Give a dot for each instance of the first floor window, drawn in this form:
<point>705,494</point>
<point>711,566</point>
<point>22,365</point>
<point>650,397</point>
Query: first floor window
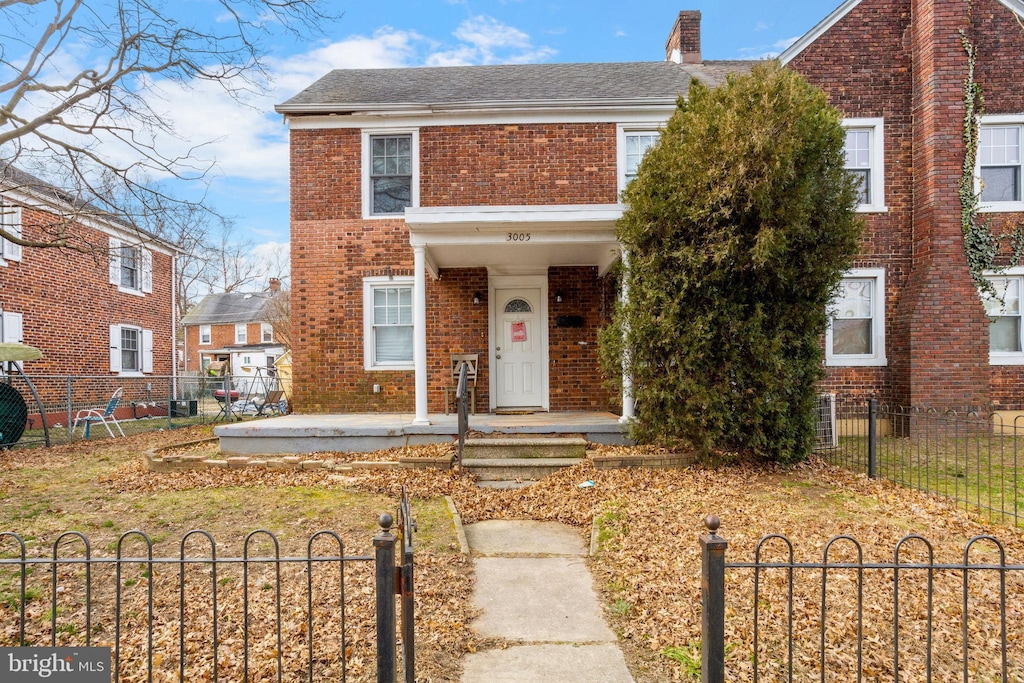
<point>856,332</point>
<point>1004,315</point>
<point>389,329</point>
<point>131,349</point>
<point>204,334</point>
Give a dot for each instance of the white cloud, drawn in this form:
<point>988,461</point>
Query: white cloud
<point>767,51</point>
<point>485,40</point>
<point>762,26</point>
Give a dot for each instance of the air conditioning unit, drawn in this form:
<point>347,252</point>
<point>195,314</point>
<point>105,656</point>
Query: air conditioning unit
<point>825,432</point>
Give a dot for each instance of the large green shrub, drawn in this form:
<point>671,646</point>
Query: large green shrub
<point>739,226</point>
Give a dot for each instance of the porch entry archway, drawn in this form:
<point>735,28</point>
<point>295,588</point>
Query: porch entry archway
<point>519,348</point>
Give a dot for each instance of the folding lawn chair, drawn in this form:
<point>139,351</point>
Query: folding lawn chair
<point>105,417</point>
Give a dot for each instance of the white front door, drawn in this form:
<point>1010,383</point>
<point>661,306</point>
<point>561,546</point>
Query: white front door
<point>519,348</point>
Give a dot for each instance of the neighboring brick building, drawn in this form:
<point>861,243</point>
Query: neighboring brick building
<point>472,210</point>
<point>237,329</point>
<point>107,313</point>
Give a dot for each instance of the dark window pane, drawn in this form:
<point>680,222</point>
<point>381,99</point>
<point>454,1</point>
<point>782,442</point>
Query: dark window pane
<point>1000,184</point>
<point>851,336</point>
<point>864,178</point>
<point>392,195</point>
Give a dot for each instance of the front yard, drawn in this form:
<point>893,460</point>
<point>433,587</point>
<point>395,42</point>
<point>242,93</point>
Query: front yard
<point>647,566</point>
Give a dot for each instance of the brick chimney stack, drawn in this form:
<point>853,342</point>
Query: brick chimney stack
<point>683,45</point>
<point>274,284</point>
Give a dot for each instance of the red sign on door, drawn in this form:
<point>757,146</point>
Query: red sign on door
<point>519,332</point>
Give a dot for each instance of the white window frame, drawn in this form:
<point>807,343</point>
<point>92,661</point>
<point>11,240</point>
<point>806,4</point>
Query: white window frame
<point>205,331</point>
<point>145,351</point>
<point>10,219</point>
<point>369,285</point>
<point>1000,120</point>
<point>241,333</point>
<point>876,189</point>
<point>877,358</point>
<point>622,132</point>
<point>266,333</point>
<point>1008,357</point>
<point>367,187</point>
<point>145,274</point>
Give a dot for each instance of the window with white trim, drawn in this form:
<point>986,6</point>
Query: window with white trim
<point>241,333</point>
<point>131,350</point>
<point>390,172</point>
<point>131,267</point>
<point>864,154</point>
<point>266,333</point>
<point>387,323</point>
<point>856,329</point>
<point>10,220</point>
<point>633,145</point>
<point>1005,345</point>
<point>1000,169</point>
<point>205,335</point>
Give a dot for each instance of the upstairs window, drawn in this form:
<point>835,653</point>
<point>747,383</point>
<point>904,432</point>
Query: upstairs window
<point>999,164</point>
<point>131,267</point>
<point>864,154</point>
<point>205,336</point>
<point>10,220</point>
<point>241,333</point>
<point>266,333</point>
<point>390,173</point>
<point>633,147</point>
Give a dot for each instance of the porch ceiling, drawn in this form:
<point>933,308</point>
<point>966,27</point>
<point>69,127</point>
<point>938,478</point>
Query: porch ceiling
<point>510,238</point>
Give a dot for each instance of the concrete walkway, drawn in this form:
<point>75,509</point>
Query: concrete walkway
<point>535,591</point>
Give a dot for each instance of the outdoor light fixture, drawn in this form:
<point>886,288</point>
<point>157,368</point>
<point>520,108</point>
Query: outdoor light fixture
<point>476,298</point>
<point>558,297</point>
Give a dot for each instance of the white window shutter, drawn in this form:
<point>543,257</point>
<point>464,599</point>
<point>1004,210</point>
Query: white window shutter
<point>12,326</point>
<point>147,270</point>
<point>115,348</point>
<point>12,224</point>
<point>115,266</point>
<point>147,351</point>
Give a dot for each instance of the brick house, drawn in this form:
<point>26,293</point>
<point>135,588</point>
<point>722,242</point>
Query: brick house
<point>108,313</point>
<point>236,329</point>
<point>472,210</point>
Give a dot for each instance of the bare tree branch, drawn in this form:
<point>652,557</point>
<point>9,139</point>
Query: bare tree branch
<point>76,127</point>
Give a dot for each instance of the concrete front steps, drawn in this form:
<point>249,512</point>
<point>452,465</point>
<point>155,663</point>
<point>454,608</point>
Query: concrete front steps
<point>521,458</point>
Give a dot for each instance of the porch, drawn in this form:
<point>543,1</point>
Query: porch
<point>366,432</point>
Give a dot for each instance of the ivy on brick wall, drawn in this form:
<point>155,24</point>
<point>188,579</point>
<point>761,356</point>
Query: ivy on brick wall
<point>980,243</point>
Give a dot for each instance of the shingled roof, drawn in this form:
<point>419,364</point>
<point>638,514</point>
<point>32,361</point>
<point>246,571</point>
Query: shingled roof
<point>230,307</point>
<point>348,90</point>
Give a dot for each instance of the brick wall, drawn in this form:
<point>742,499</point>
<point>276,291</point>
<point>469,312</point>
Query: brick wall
<point>333,250</point>
<point>902,60</point>
<point>68,304</point>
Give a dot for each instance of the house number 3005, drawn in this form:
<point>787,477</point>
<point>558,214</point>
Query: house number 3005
<point>518,237</point>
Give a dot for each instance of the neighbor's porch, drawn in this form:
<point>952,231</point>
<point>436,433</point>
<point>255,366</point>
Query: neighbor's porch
<point>366,432</point>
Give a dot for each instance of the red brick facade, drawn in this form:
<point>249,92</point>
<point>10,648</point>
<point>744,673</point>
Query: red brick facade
<point>900,61</point>
<point>68,304</point>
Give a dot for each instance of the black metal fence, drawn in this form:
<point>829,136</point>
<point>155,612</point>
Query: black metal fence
<point>844,618</point>
<point>973,458</point>
<point>197,616</point>
<point>146,403</point>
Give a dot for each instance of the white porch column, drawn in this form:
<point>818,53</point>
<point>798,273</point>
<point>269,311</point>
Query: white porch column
<point>419,335</point>
<point>628,407</point>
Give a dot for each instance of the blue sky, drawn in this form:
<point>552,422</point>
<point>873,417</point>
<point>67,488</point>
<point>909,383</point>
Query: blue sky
<point>249,144</point>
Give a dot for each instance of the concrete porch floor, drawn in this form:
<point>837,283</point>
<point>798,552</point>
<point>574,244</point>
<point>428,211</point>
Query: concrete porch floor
<point>365,432</point>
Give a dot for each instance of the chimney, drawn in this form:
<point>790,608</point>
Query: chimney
<point>274,284</point>
<point>683,45</point>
